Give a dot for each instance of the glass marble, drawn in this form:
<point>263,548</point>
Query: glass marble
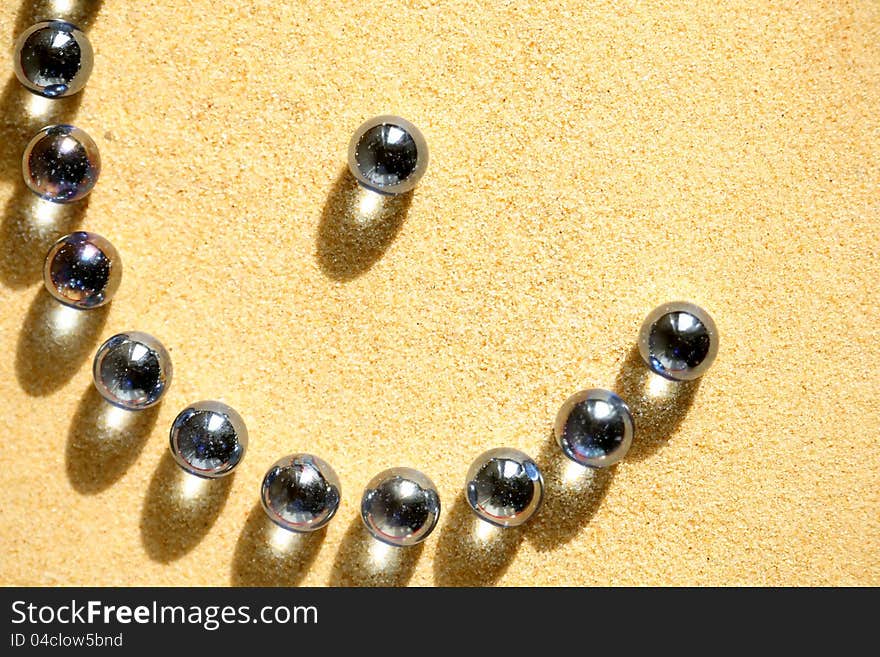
<point>61,164</point>
<point>388,154</point>
<point>208,439</point>
<point>300,492</point>
<point>132,370</point>
<point>53,59</point>
<point>400,507</point>
<point>82,270</point>
<point>679,341</point>
<point>594,428</point>
<point>504,487</point>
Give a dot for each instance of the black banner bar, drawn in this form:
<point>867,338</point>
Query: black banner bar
<point>390,621</point>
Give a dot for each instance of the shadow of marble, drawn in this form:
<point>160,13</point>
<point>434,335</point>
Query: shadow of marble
<point>572,496</point>
<point>28,228</point>
<point>24,113</point>
<point>104,441</point>
<point>179,510</point>
<point>54,341</point>
<point>357,227</point>
<point>81,13</point>
<point>473,552</point>
<point>267,555</point>
<point>658,405</point>
<point>363,561</point>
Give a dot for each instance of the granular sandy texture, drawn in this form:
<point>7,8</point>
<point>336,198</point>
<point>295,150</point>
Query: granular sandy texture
<point>588,162</point>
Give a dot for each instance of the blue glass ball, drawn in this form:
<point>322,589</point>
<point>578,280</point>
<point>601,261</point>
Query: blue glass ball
<point>53,58</point>
<point>679,341</point>
<point>132,370</point>
<point>594,428</point>
<point>504,487</point>
<point>61,164</point>
<point>388,154</point>
<point>208,439</point>
<point>300,492</point>
<point>400,507</point>
<point>82,270</point>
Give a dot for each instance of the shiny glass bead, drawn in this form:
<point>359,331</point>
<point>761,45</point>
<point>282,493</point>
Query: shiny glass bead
<point>400,506</point>
<point>132,370</point>
<point>594,428</point>
<point>300,492</point>
<point>53,58</point>
<point>61,164</point>
<point>208,439</point>
<point>504,487</point>
<point>82,270</point>
<point>388,154</point>
<point>679,341</point>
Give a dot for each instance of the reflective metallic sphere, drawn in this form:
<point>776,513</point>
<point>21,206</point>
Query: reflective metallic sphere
<point>400,506</point>
<point>301,493</point>
<point>132,370</point>
<point>61,164</point>
<point>53,59</point>
<point>82,270</point>
<point>504,486</point>
<point>208,439</point>
<point>594,428</point>
<point>678,340</point>
<point>388,154</point>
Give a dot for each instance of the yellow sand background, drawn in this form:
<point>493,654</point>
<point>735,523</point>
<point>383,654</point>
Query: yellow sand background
<point>589,160</point>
